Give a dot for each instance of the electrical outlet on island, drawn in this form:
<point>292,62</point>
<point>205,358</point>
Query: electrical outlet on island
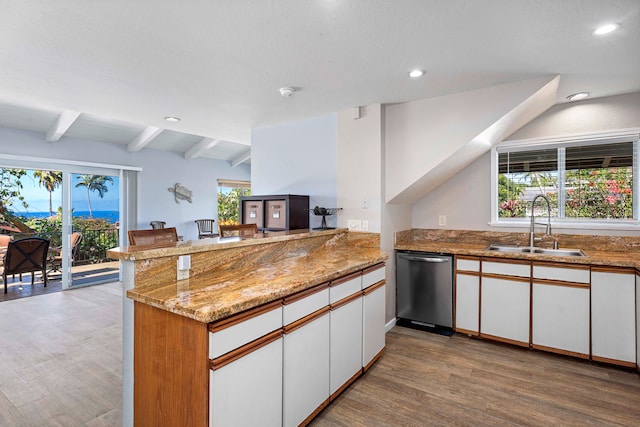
<point>442,220</point>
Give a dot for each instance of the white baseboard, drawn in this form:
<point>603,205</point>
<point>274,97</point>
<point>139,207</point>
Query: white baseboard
<point>390,324</point>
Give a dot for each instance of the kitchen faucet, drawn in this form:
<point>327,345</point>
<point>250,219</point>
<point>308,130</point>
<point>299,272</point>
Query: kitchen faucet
<point>532,238</point>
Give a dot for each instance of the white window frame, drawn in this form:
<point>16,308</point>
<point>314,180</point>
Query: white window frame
<point>609,137</point>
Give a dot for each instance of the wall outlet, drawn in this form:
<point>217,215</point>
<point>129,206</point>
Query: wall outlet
<point>442,220</point>
<point>184,264</point>
<point>365,225</point>
<point>354,224</point>
<point>365,204</point>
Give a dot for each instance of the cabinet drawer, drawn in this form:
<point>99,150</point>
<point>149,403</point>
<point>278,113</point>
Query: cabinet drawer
<point>467,264</point>
<point>276,214</point>
<point>298,306</point>
<point>506,269</point>
<point>243,328</point>
<point>345,286</point>
<point>252,211</point>
<point>569,273</point>
<point>371,277</point>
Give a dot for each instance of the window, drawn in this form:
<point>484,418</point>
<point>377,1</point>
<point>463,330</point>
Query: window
<point>229,193</point>
<point>586,181</point>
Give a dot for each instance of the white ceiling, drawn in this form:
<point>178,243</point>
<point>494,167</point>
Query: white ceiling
<point>218,65</point>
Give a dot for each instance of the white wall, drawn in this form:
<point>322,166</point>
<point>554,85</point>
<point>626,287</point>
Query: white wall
<point>589,115</point>
<point>297,158</point>
<point>160,170</point>
<point>359,166</point>
<point>465,198</point>
<point>430,140</point>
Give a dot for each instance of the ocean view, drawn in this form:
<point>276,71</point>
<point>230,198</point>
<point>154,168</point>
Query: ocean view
<point>111,216</point>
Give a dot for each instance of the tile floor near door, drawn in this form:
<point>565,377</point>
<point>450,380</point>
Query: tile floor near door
<point>61,358</point>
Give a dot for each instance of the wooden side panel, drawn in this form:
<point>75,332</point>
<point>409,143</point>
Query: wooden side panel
<point>171,369</point>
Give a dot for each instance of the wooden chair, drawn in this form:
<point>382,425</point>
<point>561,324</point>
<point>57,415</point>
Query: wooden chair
<point>240,230</point>
<point>55,253</point>
<point>26,256</point>
<point>157,224</point>
<point>153,236</point>
<point>206,228</point>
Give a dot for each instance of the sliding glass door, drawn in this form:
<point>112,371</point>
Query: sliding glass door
<point>79,209</point>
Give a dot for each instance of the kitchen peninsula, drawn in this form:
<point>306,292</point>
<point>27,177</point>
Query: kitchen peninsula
<point>272,327</point>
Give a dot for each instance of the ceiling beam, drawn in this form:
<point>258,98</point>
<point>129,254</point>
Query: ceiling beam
<point>200,148</point>
<point>62,125</point>
<point>145,137</point>
<point>241,158</point>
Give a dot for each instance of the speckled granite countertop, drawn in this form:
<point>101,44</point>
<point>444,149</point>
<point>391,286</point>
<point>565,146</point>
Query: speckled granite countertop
<point>230,277</point>
<point>600,250</point>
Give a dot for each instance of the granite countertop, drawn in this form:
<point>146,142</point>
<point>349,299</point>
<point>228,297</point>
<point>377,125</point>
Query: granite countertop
<point>247,283</point>
<point>596,254</point>
<point>188,247</point>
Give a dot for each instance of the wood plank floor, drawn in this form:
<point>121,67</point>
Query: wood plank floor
<point>425,379</point>
<point>61,361</point>
<point>61,358</point>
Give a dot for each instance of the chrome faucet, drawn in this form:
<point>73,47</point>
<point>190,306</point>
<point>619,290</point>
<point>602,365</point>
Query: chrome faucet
<point>532,237</point>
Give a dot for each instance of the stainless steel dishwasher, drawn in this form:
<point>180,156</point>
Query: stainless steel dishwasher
<point>424,290</point>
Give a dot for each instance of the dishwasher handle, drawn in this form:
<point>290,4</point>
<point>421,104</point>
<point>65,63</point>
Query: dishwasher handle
<point>423,259</point>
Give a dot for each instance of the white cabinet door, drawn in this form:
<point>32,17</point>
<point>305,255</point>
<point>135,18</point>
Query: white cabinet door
<point>613,316</point>
<point>560,318</point>
<point>346,341</point>
<point>373,322</point>
<point>638,321</point>
<point>504,312</point>
<point>248,390</point>
<point>306,369</point>
<point>467,303</point>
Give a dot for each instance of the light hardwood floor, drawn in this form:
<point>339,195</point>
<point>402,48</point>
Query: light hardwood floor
<point>61,360</point>
<point>425,379</point>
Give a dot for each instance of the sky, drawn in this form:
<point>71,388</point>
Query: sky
<point>38,197</point>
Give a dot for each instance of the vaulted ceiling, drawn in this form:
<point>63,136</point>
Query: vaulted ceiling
<point>113,70</point>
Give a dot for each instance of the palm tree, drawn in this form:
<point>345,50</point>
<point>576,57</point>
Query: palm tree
<point>49,180</point>
<point>94,183</point>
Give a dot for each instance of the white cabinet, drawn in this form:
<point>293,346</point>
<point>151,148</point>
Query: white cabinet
<point>560,321</point>
<point>638,321</point>
<point>306,354</point>
<point>245,380</point>
<point>346,342</point>
<point>467,297</point>
<point>505,301</point>
<point>560,316</point>
<point>306,368</point>
<point>613,315</point>
<point>373,323</point>
<point>248,390</point>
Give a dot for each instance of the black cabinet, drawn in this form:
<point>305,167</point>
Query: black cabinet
<point>275,212</point>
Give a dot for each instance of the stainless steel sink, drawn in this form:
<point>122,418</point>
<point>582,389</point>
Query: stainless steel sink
<point>559,252</point>
<point>534,250</point>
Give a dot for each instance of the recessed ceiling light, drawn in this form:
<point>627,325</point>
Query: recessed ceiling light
<point>414,74</point>
<point>606,29</point>
<point>172,119</point>
<point>578,96</point>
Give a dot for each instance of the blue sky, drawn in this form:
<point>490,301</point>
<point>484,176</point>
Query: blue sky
<point>38,197</point>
